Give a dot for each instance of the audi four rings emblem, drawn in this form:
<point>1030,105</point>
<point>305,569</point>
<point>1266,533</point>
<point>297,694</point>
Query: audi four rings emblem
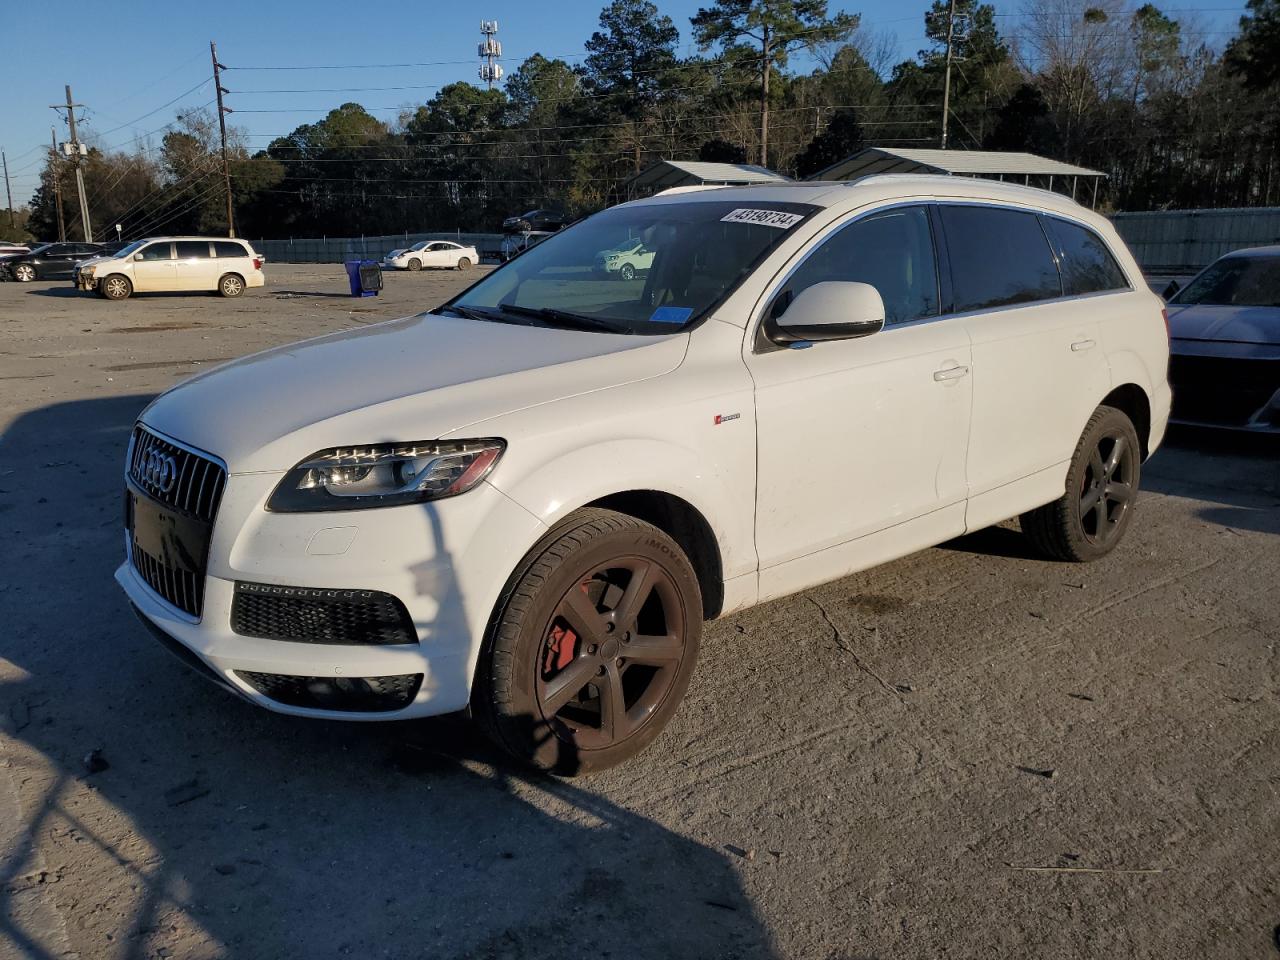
<point>160,470</point>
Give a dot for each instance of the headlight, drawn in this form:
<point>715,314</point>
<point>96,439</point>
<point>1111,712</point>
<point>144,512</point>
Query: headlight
<point>385,475</point>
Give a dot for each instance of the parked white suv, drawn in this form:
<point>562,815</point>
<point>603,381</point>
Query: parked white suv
<point>173,264</point>
<point>526,501</point>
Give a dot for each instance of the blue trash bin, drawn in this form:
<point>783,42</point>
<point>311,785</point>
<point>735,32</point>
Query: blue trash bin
<point>367,285</point>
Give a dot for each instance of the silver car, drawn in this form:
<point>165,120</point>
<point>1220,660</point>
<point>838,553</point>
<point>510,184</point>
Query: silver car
<point>1224,330</point>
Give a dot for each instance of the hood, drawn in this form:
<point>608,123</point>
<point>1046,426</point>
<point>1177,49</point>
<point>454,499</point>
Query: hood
<point>1199,321</point>
<point>395,253</point>
<point>420,378</point>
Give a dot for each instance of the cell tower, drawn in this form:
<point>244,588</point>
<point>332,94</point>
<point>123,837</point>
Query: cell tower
<point>490,50</point>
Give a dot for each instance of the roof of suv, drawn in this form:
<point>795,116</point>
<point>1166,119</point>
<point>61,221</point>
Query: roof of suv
<point>233,239</point>
<point>856,193</point>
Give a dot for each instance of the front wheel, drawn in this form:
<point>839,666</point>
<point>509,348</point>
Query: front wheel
<point>116,287</point>
<point>1091,517</point>
<point>414,264</point>
<point>628,272</point>
<point>231,285</point>
<point>592,647</point>
<point>24,273</point>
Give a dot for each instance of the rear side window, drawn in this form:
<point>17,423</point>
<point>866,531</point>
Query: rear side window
<point>1087,265</point>
<point>193,249</point>
<point>225,248</point>
<point>891,251</point>
<point>157,251</point>
<point>998,258</point>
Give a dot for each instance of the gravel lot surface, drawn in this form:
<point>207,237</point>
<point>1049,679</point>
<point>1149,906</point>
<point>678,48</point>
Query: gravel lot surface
<point>966,753</point>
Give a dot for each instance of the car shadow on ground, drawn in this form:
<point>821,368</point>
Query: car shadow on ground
<point>1193,462</point>
<point>205,826</point>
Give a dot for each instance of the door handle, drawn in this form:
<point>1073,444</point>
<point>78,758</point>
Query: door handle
<point>1082,345</point>
<point>950,373</point>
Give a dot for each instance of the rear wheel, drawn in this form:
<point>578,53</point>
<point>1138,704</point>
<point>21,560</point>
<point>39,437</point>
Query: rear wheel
<point>231,285</point>
<point>414,264</point>
<point>116,287</point>
<point>464,263</point>
<point>1091,517</point>
<point>593,646</point>
<point>24,273</point>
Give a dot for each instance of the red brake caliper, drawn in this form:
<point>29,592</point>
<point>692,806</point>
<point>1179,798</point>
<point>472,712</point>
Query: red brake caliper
<point>562,648</point>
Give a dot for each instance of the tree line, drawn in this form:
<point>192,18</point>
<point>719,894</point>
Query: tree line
<point>1173,120</point>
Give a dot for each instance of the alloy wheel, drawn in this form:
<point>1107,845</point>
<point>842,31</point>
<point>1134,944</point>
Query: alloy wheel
<point>24,272</point>
<point>611,652</point>
<point>1107,488</point>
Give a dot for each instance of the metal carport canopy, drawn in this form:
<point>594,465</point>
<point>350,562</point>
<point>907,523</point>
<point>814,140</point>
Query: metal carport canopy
<point>679,173</point>
<point>974,163</point>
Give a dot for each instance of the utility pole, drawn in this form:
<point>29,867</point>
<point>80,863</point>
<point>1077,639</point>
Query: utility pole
<point>54,163</point>
<point>76,150</point>
<point>222,127</point>
<point>764,95</point>
<point>7,192</point>
<point>946,83</point>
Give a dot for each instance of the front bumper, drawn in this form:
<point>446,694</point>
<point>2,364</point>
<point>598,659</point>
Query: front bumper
<point>447,562</point>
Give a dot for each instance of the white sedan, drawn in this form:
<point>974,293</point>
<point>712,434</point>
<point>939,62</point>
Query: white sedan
<point>432,253</point>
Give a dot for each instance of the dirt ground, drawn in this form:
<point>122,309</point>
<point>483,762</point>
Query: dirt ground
<point>966,753</point>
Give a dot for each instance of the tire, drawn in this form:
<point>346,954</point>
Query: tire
<point>560,684</point>
<point>231,285</point>
<point>627,272</point>
<point>24,273</point>
<point>414,265</point>
<point>1091,517</point>
<point>116,287</point>
<point>464,263</point>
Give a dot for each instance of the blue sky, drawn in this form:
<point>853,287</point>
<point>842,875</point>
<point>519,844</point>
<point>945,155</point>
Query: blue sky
<point>126,61</point>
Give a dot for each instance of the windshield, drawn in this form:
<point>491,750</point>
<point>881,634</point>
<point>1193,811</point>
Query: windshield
<point>422,245</point>
<point>694,254</point>
<point>1236,282</point>
<point>128,251</point>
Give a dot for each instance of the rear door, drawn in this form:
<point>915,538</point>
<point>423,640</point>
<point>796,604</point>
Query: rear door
<point>153,267</point>
<point>194,269</point>
<point>1038,372</point>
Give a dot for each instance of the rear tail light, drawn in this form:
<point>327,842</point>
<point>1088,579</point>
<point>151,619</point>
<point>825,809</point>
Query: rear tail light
<point>257,263</point>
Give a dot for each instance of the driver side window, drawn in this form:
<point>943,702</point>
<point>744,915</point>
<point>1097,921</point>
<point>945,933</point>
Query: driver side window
<point>892,251</point>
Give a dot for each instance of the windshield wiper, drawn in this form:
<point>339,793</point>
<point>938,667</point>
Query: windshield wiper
<point>564,318</point>
<point>471,313</point>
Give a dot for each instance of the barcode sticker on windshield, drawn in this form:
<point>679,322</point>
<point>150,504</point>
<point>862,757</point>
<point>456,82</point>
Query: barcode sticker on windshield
<point>765,218</point>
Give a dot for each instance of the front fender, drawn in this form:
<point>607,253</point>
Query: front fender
<point>545,489</point>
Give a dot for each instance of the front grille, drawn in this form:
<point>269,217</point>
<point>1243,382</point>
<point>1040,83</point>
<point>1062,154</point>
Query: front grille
<point>308,615</point>
<point>351,694</point>
<point>1221,390</point>
<point>190,485</point>
<point>196,487</point>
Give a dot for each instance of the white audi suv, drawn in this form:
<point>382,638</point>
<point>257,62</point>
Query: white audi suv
<point>525,502</point>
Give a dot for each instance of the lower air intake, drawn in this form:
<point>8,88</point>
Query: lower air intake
<point>310,615</point>
<point>352,694</point>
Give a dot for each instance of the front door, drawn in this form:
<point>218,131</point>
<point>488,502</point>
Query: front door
<point>859,437</point>
<point>153,267</point>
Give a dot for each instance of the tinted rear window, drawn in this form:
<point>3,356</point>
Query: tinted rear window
<point>193,249</point>
<point>1087,264</point>
<point>998,257</point>
<point>226,248</point>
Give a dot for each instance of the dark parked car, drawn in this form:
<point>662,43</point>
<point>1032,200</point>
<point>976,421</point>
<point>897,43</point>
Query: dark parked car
<point>1224,330</point>
<point>545,221</point>
<point>50,261</point>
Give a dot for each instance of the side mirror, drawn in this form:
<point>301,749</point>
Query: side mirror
<point>1171,289</point>
<point>137,256</point>
<point>832,310</point>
